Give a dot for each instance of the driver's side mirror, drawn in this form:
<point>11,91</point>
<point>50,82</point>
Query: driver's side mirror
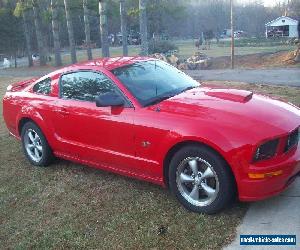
<point>109,99</point>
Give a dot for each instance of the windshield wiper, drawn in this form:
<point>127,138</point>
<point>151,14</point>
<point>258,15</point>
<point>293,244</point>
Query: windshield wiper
<point>160,99</point>
<point>187,88</point>
<point>169,95</point>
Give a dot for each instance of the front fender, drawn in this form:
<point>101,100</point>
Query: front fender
<point>212,139</point>
<point>229,148</point>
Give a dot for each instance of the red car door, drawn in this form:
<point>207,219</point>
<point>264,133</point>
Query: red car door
<point>95,134</point>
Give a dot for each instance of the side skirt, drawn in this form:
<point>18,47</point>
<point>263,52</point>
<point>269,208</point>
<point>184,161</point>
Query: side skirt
<point>158,181</point>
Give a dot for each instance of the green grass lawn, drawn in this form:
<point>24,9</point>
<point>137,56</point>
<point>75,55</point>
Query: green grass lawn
<point>186,49</point>
<point>68,205</point>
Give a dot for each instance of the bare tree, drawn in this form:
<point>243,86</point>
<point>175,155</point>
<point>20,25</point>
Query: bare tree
<point>87,29</point>
<point>70,32</point>
<point>55,31</point>
<point>232,33</point>
<point>27,33</point>
<point>104,28</point>
<point>143,27</point>
<point>123,27</point>
<point>38,31</point>
<point>294,7</point>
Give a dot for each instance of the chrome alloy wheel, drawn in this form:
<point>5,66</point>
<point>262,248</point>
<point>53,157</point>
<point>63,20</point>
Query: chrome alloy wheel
<point>33,145</point>
<point>197,181</point>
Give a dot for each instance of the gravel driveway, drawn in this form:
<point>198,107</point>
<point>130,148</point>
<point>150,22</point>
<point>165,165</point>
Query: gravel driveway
<point>288,76</point>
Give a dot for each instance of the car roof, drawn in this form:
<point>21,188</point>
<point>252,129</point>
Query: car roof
<point>108,63</point>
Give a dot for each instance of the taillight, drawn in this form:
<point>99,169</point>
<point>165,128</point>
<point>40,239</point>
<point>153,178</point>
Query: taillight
<point>9,88</point>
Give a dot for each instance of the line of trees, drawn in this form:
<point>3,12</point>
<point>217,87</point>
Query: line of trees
<point>48,26</point>
<point>29,11</point>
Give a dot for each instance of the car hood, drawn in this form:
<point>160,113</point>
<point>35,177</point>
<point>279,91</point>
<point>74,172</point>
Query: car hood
<point>238,109</point>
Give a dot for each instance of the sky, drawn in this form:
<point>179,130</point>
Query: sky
<point>268,2</point>
<point>271,2</point>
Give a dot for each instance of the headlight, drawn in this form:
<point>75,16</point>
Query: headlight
<point>266,150</point>
<point>292,139</point>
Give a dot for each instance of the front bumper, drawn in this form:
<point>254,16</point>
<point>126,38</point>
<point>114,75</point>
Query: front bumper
<point>258,189</point>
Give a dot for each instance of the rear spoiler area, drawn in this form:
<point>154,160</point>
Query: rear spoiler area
<point>19,86</point>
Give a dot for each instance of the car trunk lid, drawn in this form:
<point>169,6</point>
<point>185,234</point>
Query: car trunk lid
<point>19,86</point>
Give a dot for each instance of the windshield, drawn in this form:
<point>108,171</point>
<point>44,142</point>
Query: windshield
<point>153,81</point>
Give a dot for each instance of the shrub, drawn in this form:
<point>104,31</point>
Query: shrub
<point>161,46</point>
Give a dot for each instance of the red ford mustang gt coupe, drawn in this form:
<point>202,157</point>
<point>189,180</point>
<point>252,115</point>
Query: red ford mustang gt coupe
<point>143,118</point>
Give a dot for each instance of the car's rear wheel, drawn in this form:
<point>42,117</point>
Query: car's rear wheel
<point>201,179</point>
<point>35,145</point>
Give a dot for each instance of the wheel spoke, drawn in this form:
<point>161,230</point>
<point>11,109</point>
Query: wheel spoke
<point>36,153</point>
<point>185,178</point>
<point>31,137</point>
<point>208,190</point>
<point>207,173</point>
<point>39,148</point>
<point>37,138</point>
<point>195,193</point>
<point>30,146</point>
<point>193,166</point>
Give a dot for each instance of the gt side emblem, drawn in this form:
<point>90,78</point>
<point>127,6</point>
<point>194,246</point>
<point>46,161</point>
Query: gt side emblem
<point>145,144</point>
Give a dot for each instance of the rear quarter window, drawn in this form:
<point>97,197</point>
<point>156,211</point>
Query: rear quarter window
<point>43,87</point>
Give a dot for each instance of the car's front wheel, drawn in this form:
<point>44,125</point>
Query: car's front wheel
<point>201,180</point>
<point>35,145</point>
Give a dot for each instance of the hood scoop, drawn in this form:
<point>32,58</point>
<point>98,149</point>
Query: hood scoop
<point>234,95</point>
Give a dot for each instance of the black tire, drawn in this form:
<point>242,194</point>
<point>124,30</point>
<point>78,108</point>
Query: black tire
<point>46,155</point>
<point>222,181</point>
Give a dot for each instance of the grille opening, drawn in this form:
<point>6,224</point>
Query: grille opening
<point>292,140</point>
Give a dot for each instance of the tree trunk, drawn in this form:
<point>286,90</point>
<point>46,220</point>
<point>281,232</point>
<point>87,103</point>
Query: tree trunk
<point>87,29</point>
<point>123,27</point>
<point>55,31</point>
<point>38,31</point>
<point>143,27</point>
<point>15,57</point>
<point>27,38</point>
<point>70,32</point>
<point>103,28</point>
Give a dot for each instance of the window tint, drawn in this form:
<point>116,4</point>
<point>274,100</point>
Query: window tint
<point>43,87</point>
<point>152,80</point>
<point>84,85</point>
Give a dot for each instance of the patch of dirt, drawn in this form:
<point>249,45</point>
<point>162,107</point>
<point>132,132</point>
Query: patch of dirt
<point>259,60</point>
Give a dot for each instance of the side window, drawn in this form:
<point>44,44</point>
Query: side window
<point>84,85</point>
<point>43,87</point>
